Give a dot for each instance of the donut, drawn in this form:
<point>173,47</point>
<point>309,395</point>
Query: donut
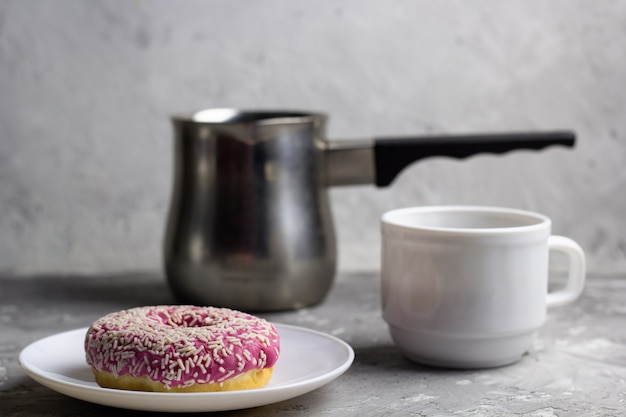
<point>181,349</point>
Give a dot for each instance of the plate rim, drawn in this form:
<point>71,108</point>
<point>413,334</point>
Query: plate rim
<point>301,387</point>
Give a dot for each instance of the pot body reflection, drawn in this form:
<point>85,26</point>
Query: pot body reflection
<point>249,224</point>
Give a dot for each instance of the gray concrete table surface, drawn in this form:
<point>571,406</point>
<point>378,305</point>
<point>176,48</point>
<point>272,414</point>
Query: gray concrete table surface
<point>577,366</point>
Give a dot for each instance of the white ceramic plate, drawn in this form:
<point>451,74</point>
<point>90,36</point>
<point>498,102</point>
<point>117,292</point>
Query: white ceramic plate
<point>308,360</point>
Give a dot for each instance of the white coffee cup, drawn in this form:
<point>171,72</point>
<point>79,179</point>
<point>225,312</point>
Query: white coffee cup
<point>467,286</point>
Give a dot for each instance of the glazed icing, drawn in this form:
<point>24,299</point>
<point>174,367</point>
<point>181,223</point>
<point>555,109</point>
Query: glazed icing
<point>179,346</point>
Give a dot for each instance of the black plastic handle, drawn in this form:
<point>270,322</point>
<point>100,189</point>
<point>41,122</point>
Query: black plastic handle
<point>392,155</point>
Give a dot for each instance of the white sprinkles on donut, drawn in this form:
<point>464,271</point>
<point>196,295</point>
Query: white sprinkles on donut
<point>179,346</point>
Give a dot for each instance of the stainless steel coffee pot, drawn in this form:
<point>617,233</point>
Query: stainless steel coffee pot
<point>250,225</point>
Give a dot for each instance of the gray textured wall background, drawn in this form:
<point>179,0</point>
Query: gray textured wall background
<point>86,88</point>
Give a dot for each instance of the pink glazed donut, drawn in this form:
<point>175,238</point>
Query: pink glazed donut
<point>182,349</point>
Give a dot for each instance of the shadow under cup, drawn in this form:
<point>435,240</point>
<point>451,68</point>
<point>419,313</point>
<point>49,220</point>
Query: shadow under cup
<point>467,286</point>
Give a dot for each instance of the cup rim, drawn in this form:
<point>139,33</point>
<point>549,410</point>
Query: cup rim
<point>389,220</point>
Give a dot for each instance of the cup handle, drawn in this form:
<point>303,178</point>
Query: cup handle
<point>576,275</point>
